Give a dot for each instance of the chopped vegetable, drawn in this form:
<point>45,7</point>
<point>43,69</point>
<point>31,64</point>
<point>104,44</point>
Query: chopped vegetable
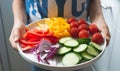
<point>71,59</point>
<point>64,50</point>
<point>92,51</point>
<point>80,48</point>
<point>59,26</point>
<point>71,43</point>
<point>84,40</point>
<point>87,56</point>
<point>96,46</point>
<point>64,39</point>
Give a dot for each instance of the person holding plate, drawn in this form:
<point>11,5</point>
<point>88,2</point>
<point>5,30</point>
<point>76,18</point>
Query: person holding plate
<point>27,11</point>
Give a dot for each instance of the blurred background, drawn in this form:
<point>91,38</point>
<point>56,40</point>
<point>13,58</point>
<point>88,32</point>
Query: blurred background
<point>10,60</point>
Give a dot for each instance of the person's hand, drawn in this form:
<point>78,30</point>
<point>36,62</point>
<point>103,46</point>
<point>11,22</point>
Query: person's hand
<point>17,31</point>
<point>105,30</point>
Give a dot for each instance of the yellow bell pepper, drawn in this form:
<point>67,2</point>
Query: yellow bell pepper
<point>59,26</point>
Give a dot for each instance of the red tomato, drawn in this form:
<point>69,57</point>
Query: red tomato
<point>74,32</point>
<point>97,38</point>
<point>70,20</point>
<point>81,21</point>
<point>83,34</point>
<point>73,24</point>
<point>83,27</point>
<point>93,28</point>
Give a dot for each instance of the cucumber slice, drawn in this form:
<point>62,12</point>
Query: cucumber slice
<point>92,51</point>
<point>64,50</point>
<point>71,43</point>
<point>96,46</point>
<point>80,48</point>
<point>87,56</point>
<point>84,40</point>
<point>71,59</point>
<point>64,39</point>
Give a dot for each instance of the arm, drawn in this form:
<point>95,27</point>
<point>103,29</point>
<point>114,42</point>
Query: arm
<point>19,13</point>
<point>19,21</point>
<point>96,16</point>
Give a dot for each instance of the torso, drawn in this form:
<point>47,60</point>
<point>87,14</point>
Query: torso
<point>38,9</point>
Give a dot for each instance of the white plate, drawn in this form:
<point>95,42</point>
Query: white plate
<point>58,67</point>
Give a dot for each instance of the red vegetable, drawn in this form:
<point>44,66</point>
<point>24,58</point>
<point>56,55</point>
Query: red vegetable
<point>26,48</point>
<point>43,45</point>
<point>81,21</point>
<point>52,54</point>
<point>70,20</point>
<point>83,34</point>
<point>24,42</point>
<point>97,38</point>
<point>74,32</point>
<point>83,27</point>
<point>73,24</point>
<point>93,28</point>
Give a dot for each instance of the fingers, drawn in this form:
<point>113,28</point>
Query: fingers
<point>13,39</point>
<point>16,34</point>
<point>108,39</point>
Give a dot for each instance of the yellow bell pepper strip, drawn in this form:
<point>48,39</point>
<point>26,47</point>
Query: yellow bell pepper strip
<point>59,26</point>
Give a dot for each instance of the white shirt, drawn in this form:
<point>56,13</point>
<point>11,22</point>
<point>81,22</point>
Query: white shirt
<point>38,9</point>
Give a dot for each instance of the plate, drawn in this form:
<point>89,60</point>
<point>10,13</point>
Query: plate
<point>57,65</point>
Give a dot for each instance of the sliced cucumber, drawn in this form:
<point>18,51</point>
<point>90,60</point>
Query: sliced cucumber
<point>87,56</point>
<point>96,46</point>
<point>80,48</point>
<point>71,59</point>
<point>64,50</point>
<point>71,43</point>
<point>84,40</point>
<point>92,51</point>
<point>64,39</point>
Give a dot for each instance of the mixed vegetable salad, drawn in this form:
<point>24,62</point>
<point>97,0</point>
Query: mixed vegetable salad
<point>75,41</point>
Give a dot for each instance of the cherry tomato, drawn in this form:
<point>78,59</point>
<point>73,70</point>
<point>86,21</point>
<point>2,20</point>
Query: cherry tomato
<point>83,34</point>
<point>83,27</point>
<point>70,20</point>
<point>81,21</point>
<point>97,38</point>
<point>93,28</point>
<point>74,32</point>
<point>74,24</point>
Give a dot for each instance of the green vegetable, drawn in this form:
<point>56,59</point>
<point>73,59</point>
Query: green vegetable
<point>84,40</point>
<point>64,39</point>
<point>71,43</point>
<point>96,46</point>
<point>80,48</point>
<point>87,56</point>
<point>92,51</point>
<point>71,59</point>
<point>64,50</point>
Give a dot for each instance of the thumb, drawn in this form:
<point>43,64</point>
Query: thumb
<point>17,35</point>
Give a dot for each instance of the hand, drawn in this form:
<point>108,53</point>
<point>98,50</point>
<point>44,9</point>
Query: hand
<point>105,30</point>
<point>17,31</point>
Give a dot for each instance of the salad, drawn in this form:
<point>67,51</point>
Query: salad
<point>75,41</point>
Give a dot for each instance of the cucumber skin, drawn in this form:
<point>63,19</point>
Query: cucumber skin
<point>93,49</point>
<point>84,56</point>
<point>96,46</point>
<point>84,40</point>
